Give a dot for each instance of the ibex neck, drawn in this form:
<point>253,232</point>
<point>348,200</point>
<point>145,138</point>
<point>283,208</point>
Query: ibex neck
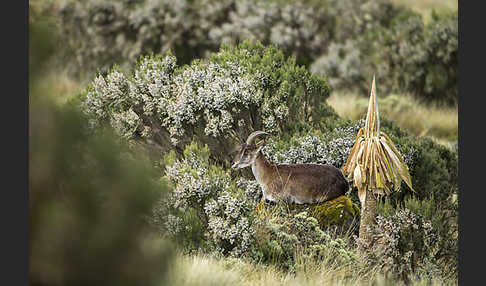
<point>261,167</point>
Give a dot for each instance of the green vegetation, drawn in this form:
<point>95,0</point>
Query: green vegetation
<point>216,100</point>
<point>438,123</point>
<point>129,160</point>
<point>87,200</point>
<point>346,40</point>
<point>211,208</point>
<point>337,212</point>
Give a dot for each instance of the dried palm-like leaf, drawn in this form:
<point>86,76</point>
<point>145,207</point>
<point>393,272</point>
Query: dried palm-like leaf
<point>374,162</point>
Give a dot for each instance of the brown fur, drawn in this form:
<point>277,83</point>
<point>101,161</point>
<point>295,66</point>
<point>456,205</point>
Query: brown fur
<point>294,183</point>
<point>301,183</point>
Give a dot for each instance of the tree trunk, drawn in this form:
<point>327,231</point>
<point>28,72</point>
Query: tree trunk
<point>368,215</point>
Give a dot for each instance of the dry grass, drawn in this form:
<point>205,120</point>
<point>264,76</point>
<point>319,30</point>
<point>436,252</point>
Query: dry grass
<point>195,270</point>
<point>438,123</point>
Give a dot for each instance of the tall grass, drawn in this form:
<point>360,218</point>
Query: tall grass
<point>195,270</point>
<point>436,122</point>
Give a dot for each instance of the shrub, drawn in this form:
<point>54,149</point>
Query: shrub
<point>402,245</point>
<point>423,59</point>
<point>355,17</point>
<point>88,196</point>
<point>313,147</point>
<point>408,56</point>
<point>206,209</point>
<point>348,40</point>
<point>433,168</point>
<point>283,237</point>
<point>219,100</point>
<point>101,33</point>
<point>300,29</point>
<point>441,40</point>
<point>443,216</point>
<point>342,63</point>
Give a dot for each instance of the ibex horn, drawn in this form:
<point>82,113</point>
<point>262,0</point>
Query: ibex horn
<point>254,135</point>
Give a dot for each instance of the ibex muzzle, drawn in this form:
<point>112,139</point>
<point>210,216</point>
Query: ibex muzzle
<point>293,183</point>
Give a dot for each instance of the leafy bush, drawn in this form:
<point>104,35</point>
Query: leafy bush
<point>284,237</point>
<point>342,64</point>
<point>206,210</point>
<point>443,216</point>
<point>106,32</point>
<point>313,147</point>
<point>193,29</point>
<point>403,245</point>
<point>348,40</point>
<point>423,59</point>
<point>219,100</point>
<point>300,29</point>
<point>408,56</point>
<point>88,197</point>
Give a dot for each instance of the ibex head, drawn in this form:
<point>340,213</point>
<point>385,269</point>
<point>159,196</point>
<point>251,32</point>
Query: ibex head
<point>248,151</point>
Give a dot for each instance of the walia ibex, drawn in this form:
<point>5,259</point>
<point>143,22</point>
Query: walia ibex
<point>293,183</point>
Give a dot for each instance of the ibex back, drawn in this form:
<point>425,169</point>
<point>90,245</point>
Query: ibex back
<point>293,183</point>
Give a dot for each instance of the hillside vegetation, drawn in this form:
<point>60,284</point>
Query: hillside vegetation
<point>137,107</point>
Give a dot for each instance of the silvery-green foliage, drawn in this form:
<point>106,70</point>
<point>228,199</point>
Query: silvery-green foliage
<point>369,36</point>
<point>401,244</point>
<point>403,45</point>
<point>341,64</point>
<point>407,55</point>
<point>212,92</point>
<point>101,32</point>
<point>423,59</point>
<point>193,29</point>
<point>253,190</point>
<point>324,148</point>
<point>302,29</point>
<point>193,181</point>
<point>219,100</point>
<point>92,30</point>
<point>229,224</point>
<point>355,17</point>
<point>442,42</point>
<point>284,235</point>
<point>135,104</point>
<point>443,215</point>
<point>173,224</point>
<point>222,208</point>
<point>313,149</point>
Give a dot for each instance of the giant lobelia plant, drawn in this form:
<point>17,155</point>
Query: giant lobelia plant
<point>375,165</point>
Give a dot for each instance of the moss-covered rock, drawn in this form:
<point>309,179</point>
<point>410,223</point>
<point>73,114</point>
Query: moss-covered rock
<point>339,211</point>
